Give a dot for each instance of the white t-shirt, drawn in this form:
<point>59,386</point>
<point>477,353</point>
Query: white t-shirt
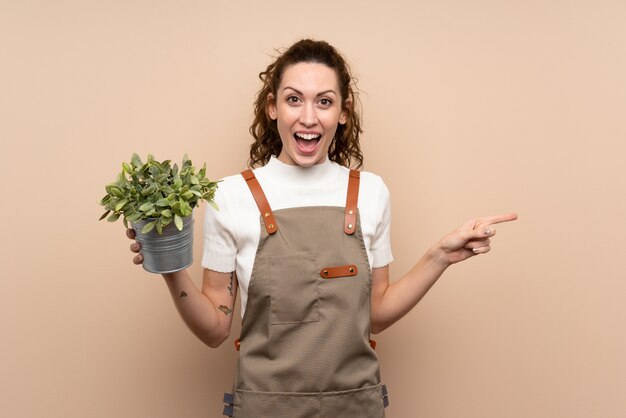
<point>231,235</point>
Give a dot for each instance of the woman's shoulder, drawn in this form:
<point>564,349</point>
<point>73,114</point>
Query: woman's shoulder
<point>370,180</point>
<point>371,177</point>
<point>230,182</point>
<point>231,189</point>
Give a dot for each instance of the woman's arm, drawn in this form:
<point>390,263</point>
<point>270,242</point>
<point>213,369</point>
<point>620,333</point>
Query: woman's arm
<point>207,312</point>
<point>390,302</point>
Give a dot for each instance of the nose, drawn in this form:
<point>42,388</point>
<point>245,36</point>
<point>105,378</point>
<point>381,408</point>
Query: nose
<point>308,115</point>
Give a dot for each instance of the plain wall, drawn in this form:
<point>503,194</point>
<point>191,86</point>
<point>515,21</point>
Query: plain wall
<point>470,109</point>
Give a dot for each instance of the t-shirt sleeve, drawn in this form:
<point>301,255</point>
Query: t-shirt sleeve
<point>381,242</point>
<point>220,244</point>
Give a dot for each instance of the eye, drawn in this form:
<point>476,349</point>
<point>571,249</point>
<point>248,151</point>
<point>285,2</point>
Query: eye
<point>326,102</point>
<point>293,99</point>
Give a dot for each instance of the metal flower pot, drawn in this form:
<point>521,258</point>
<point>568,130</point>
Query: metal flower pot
<point>167,252</point>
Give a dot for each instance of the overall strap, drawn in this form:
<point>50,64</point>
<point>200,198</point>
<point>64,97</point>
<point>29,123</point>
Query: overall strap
<point>261,201</point>
<point>349,225</point>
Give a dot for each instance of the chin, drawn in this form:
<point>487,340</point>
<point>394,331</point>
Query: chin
<point>309,161</point>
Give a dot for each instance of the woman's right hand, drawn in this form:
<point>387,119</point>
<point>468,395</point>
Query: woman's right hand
<point>135,246</point>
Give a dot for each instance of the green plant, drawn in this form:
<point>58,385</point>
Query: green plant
<point>157,191</point>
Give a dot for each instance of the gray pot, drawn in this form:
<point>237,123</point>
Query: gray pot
<point>167,252</point>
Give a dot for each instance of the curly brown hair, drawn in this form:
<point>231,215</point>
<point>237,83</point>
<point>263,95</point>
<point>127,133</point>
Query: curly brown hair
<point>344,149</point>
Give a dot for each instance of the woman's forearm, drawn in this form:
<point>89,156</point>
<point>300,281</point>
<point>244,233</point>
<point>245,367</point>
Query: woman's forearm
<point>396,299</point>
<point>206,314</point>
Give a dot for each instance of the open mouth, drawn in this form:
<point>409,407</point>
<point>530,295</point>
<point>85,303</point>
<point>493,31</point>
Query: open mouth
<point>307,142</point>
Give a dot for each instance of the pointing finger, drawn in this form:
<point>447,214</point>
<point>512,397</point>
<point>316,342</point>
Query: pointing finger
<point>491,220</point>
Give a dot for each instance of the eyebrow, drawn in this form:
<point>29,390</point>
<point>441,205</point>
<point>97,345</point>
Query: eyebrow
<point>318,94</point>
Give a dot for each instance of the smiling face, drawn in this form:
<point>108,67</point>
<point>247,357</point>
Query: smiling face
<point>307,108</point>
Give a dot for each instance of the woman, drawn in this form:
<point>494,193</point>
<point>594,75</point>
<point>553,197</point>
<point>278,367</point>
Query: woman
<point>306,241</point>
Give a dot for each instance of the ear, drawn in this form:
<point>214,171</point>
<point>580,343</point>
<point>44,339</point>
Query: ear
<point>270,107</point>
<point>343,116</point>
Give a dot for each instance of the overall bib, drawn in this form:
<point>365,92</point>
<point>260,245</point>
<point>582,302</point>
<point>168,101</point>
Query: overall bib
<point>304,348</point>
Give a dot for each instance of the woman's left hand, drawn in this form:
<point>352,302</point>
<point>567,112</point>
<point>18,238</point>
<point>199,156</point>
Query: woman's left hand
<point>471,238</point>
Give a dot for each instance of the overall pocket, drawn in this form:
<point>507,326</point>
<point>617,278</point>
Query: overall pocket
<point>294,289</point>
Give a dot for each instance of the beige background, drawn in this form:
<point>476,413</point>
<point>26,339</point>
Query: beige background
<point>471,108</point>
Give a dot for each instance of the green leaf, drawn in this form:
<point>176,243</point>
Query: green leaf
<point>194,180</point>
<point>126,168</point>
<point>178,221</point>
<point>163,202</point>
<point>153,170</point>
<point>114,191</point>
<point>134,216</point>
<point>158,165</point>
<point>125,221</point>
<point>186,161</point>
<point>187,195</point>
<point>148,227</point>
<point>213,204</point>
<point>104,215</point>
<point>185,209</point>
<point>104,200</point>
<point>113,217</point>
<point>159,226</point>
<point>151,189</point>
<point>136,161</point>
<point>120,204</point>
<point>146,207</point>
<point>166,213</point>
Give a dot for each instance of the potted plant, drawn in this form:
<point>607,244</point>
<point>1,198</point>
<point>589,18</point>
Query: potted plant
<point>158,199</point>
